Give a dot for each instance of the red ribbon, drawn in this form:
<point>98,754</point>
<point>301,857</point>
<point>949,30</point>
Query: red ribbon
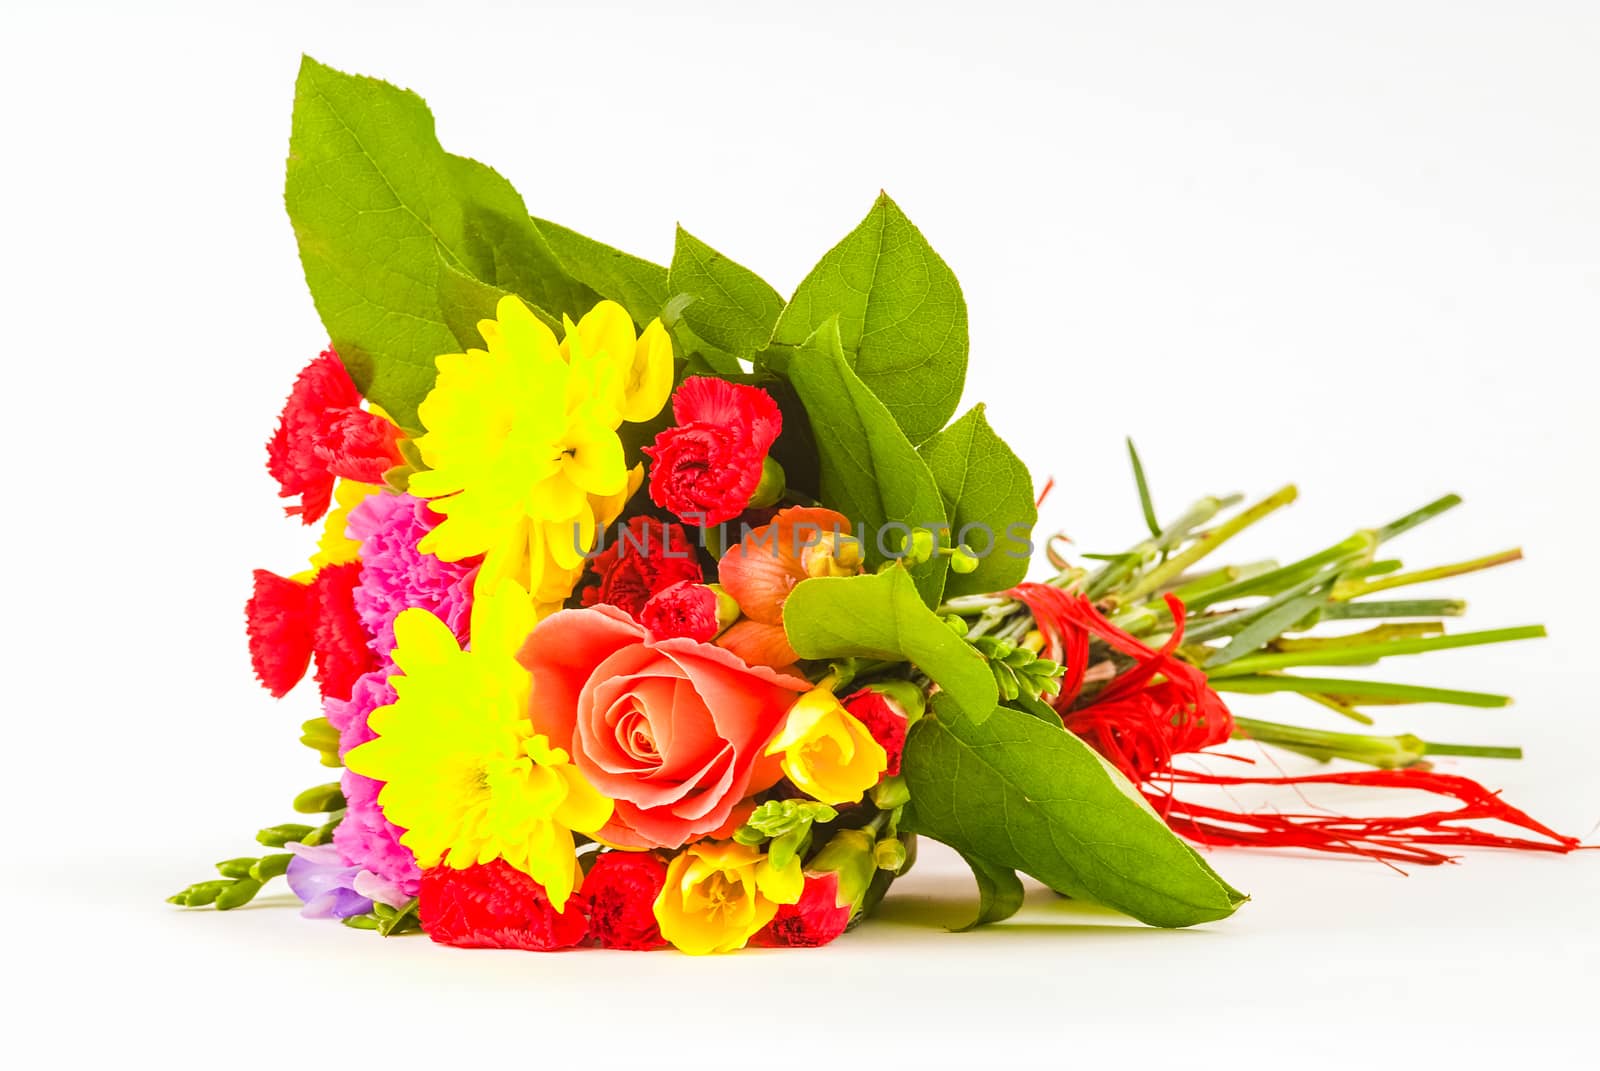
<point>1141,724</point>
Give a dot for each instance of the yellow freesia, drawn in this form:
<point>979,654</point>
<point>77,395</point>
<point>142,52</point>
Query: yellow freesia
<point>827,752</point>
<point>522,449</point>
<point>718,895</point>
<point>465,775</point>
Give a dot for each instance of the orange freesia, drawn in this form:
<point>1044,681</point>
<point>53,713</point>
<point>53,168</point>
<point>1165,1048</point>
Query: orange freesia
<point>759,573</point>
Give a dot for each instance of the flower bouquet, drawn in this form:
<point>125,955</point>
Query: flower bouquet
<point>652,609</point>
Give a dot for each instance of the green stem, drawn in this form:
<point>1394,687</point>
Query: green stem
<point>1210,541</point>
<point>1411,520</point>
<point>1114,573</point>
<point>1384,752</point>
<point>1341,611</point>
<point>1354,691</point>
<point>1359,588</point>
<point>1368,653</point>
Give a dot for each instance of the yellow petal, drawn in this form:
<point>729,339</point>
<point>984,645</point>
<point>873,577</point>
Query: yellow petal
<point>650,380</point>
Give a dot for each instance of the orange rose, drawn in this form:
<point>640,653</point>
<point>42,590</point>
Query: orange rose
<point>672,730</point>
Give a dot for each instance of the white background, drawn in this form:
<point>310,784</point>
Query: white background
<point>1356,246</point>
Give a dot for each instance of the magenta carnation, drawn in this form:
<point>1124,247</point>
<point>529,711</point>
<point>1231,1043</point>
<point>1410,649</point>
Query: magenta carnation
<point>366,839</point>
<point>396,576</point>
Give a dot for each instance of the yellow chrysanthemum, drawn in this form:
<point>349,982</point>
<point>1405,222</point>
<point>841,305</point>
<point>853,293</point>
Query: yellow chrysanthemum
<point>465,775</point>
<point>718,895</point>
<point>524,461</point>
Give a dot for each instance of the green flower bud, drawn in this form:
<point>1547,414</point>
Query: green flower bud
<point>771,487</point>
<point>361,922</point>
<point>890,793</point>
<point>958,624</point>
<point>238,894</point>
<point>271,866</point>
<point>199,894</point>
<point>236,868</point>
<point>322,799</point>
<point>278,836</point>
<point>850,855</point>
<point>962,560</point>
<point>889,854</point>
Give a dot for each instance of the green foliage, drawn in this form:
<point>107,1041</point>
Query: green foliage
<point>902,319</point>
<point>986,489</point>
<point>878,615</point>
<point>376,203</point>
<point>999,891</point>
<point>775,818</point>
<point>732,307</point>
<point>632,282</point>
<point>870,471</point>
<point>1022,794</point>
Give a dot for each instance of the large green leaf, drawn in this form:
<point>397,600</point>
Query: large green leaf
<point>375,201</point>
<point>501,245</point>
<point>988,495</point>
<point>1000,892</point>
<point>870,472</point>
<point>902,319</point>
<point>632,282</point>
<point>733,308</point>
<point>879,615</point>
<point>1032,797</point>
<point>464,300</point>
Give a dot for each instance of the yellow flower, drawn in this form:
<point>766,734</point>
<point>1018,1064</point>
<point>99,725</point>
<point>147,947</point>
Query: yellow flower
<point>465,775</point>
<point>827,752</point>
<point>522,447</point>
<point>335,548</point>
<point>719,895</point>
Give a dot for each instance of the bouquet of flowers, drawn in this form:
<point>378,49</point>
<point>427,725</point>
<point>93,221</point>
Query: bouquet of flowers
<point>652,609</point>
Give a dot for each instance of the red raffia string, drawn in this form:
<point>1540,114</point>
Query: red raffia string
<point>1141,724</point>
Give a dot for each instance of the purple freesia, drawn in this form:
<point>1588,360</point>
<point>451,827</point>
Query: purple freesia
<point>326,884</point>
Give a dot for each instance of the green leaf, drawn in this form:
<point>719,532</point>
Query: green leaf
<point>870,471</point>
<point>1146,504</point>
<point>987,493</point>
<point>999,891</point>
<point>501,245</point>
<point>733,308</point>
<point>879,616</point>
<point>632,282</point>
<point>902,319</point>
<point>372,197</point>
<point>1024,795</point>
<point>464,300</point>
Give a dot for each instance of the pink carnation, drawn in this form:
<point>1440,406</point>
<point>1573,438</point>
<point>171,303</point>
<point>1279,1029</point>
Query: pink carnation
<point>396,576</point>
<point>366,839</point>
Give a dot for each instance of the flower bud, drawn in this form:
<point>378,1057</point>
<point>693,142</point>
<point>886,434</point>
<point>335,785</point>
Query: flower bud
<point>963,560</point>
<point>320,800</point>
<point>833,554</point>
<point>772,485</point>
<point>850,855</point>
<point>889,854</point>
<point>278,836</point>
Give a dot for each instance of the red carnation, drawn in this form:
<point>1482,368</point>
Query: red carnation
<point>706,468</point>
<point>817,919</point>
<point>494,905</point>
<point>279,619</point>
<point>289,623</point>
<point>646,557</point>
<point>885,719</point>
<point>619,895</point>
<point>686,608</point>
<point>338,639</point>
<point>324,434</point>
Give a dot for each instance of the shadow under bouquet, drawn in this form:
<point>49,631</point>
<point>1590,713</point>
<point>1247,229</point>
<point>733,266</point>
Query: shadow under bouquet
<point>652,609</point>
